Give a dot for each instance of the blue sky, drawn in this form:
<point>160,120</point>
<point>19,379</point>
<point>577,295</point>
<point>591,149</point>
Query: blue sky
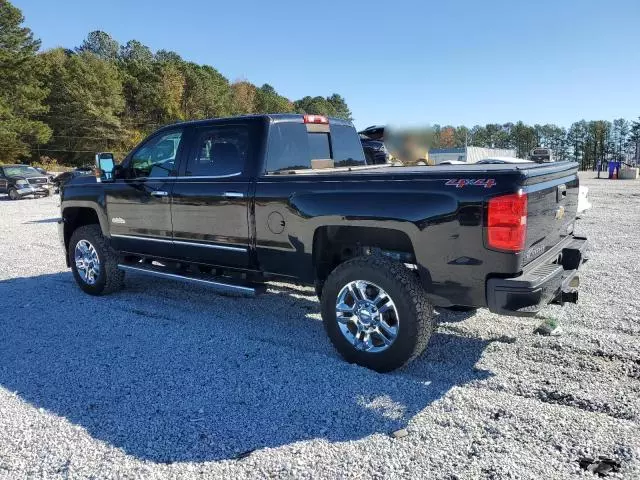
<point>401,62</point>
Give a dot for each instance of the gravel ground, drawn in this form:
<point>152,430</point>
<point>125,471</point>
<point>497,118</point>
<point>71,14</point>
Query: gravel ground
<point>165,380</point>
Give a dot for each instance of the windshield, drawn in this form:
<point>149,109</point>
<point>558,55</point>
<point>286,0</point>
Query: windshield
<point>20,170</point>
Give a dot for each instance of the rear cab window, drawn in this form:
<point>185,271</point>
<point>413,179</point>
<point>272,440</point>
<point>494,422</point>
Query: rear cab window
<point>299,146</point>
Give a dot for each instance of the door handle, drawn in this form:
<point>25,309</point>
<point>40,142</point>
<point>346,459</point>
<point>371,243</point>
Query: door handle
<point>233,194</point>
<point>159,193</point>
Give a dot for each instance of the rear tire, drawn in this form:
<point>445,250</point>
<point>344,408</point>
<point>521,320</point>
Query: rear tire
<point>109,278</point>
<point>412,327</point>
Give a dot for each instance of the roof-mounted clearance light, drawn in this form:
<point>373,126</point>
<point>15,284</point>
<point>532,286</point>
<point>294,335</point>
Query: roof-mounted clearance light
<point>316,119</point>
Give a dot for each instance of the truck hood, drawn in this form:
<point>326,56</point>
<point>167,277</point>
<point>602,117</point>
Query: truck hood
<point>15,178</point>
<point>25,176</point>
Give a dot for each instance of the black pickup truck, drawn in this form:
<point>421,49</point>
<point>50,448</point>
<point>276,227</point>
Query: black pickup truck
<point>232,203</point>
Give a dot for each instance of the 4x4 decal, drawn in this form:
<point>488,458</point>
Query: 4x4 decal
<point>463,182</point>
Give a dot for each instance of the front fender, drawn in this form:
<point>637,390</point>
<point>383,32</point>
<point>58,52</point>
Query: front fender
<point>85,192</point>
<point>72,205</point>
<point>75,203</point>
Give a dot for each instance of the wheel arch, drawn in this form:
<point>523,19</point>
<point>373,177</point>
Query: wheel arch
<point>77,214</point>
<point>335,244</point>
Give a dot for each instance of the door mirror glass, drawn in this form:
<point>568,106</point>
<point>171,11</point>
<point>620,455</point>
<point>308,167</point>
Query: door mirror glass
<point>105,165</point>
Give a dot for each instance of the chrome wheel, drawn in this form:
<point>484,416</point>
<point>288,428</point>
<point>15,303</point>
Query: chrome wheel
<point>13,194</point>
<point>367,316</point>
<point>87,262</point>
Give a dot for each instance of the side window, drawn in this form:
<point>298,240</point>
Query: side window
<point>219,151</point>
<point>157,157</point>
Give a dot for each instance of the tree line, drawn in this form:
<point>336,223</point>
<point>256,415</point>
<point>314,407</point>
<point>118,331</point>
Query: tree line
<point>66,104</point>
<point>586,142</point>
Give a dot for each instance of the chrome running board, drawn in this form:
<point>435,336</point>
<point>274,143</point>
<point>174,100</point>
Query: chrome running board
<point>220,284</point>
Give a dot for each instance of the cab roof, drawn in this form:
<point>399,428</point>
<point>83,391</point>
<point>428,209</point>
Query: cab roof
<point>269,117</point>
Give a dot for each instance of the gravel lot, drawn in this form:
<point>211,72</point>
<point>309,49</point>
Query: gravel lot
<point>165,380</point>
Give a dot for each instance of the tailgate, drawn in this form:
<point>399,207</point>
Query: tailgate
<point>552,193</point>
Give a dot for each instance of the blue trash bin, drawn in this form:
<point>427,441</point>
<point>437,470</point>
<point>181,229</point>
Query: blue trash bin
<point>614,168</point>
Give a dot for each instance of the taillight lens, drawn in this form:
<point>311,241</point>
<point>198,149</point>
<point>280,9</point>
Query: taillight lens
<point>507,222</point>
<point>315,119</point>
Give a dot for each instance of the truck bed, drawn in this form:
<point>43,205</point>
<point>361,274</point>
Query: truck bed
<point>527,169</point>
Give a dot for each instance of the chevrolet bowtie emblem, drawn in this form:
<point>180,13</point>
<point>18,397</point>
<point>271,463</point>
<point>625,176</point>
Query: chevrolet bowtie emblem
<point>559,213</point>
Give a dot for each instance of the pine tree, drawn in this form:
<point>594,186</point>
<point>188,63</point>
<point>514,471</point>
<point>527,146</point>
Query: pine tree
<point>86,102</point>
<point>101,44</point>
<point>21,91</point>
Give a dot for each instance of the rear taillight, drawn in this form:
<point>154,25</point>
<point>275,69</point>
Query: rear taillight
<point>507,222</point>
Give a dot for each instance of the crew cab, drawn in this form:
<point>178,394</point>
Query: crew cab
<point>232,203</point>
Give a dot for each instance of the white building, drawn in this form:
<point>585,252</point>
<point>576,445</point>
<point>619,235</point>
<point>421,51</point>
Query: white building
<point>468,154</point>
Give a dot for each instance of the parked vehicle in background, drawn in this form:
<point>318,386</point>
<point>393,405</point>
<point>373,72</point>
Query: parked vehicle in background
<point>45,173</point>
<point>541,155</point>
<point>64,177</point>
<point>375,151</point>
<point>374,132</point>
<point>22,180</point>
<point>233,202</point>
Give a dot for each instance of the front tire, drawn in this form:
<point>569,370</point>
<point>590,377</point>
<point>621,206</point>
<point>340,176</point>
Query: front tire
<point>93,262</point>
<point>13,194</point>
<point>376,313</point>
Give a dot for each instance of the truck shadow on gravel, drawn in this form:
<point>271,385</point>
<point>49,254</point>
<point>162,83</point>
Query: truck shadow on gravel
<point>170,373</point>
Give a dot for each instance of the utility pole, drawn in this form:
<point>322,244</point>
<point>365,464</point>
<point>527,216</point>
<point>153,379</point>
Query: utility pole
<point>466,145</point>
